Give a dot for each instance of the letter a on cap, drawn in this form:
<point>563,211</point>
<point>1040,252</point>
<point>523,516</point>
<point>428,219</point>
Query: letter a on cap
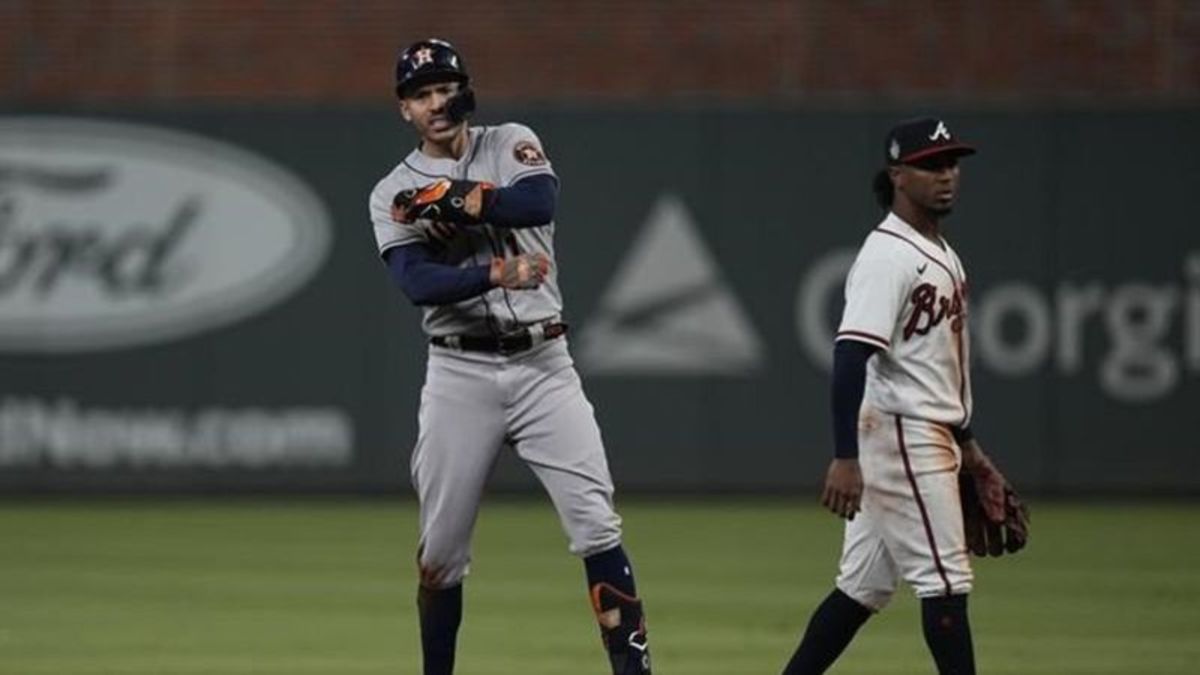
<point>940,132</point>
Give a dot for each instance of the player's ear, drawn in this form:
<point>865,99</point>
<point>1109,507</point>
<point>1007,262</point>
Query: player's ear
<point>404,111</point>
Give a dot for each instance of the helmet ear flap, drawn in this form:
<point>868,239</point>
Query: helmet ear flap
<point>461,105</point>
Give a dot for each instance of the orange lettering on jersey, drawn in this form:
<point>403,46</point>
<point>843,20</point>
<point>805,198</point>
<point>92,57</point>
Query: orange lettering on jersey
<point>929,309</point>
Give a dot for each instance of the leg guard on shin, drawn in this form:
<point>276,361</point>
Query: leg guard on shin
<point>623,630</point>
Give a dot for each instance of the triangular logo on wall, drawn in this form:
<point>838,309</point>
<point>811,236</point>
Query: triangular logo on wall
<point>668,310</point>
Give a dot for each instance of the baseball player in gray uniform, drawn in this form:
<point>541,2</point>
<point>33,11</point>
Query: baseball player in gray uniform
<point>465,224</point>
<point>902,395</point>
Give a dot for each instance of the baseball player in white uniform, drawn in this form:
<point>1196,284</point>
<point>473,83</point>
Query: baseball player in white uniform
<point>902,414</point>
<point>465,226</point>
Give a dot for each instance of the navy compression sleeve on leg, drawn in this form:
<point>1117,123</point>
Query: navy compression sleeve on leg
<point>440,612</point>
<point>948,634</point>
<point>829,631</point>
<point>849,383</point>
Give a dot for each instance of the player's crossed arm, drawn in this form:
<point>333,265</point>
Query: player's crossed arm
<point>460,202</point>
<point>425,281</point>
<point>530,202</point>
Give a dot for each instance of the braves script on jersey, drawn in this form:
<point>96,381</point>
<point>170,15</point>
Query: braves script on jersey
<point>901,410</point>
<point>907,295</point>
<point>502,156</point>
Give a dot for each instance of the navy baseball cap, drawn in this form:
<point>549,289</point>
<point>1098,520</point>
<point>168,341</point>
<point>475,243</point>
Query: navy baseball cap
<point>916,139</point>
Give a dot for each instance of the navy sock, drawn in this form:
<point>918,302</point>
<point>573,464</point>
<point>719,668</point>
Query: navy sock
<point>830,629</point>
<point>611,567</point>
<point>948,634</point>
<point>441,614</point>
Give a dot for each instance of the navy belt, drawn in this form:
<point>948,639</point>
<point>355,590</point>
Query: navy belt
<point>508,343</point>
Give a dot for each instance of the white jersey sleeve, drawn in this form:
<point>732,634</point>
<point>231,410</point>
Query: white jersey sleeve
<point>517,154</point>
<point>875,295</point>
<point>389,233</point>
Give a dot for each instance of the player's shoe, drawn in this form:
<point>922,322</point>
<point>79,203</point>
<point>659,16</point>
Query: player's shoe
<point>622,629</point>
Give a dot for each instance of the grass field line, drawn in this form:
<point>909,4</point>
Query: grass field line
<point>201,587</point>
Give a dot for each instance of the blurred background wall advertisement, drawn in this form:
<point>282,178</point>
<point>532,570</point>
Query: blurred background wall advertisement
<point>211,384</point>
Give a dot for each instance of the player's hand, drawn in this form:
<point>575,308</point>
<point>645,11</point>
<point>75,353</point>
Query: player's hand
<point>524,271</point>
<point>843,488</point>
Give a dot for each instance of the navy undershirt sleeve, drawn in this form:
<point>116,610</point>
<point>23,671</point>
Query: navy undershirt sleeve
<point>426,282</point>
<point>849,383</point>
<point>530,202</point>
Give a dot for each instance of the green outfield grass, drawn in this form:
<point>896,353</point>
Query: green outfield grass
<point>304,587</point>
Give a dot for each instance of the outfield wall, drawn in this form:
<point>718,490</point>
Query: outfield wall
<point>192,300</point>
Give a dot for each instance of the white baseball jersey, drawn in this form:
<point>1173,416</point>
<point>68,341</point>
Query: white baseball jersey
<point>908,296</point>
<point>500,155</point>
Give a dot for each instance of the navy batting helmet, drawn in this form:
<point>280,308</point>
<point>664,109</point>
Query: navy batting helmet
<point>428,61</point>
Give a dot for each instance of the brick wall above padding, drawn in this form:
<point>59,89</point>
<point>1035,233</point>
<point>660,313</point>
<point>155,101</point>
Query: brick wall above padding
<point>624,50</point>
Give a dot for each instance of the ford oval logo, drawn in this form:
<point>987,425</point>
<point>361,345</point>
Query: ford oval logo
<point>114,235</point>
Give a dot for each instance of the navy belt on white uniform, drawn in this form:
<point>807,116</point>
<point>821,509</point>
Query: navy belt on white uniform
<point>507,343</point>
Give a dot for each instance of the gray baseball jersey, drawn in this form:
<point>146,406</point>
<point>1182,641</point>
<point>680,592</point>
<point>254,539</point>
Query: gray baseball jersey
<point>500,155</point>
<point>475,403</point>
